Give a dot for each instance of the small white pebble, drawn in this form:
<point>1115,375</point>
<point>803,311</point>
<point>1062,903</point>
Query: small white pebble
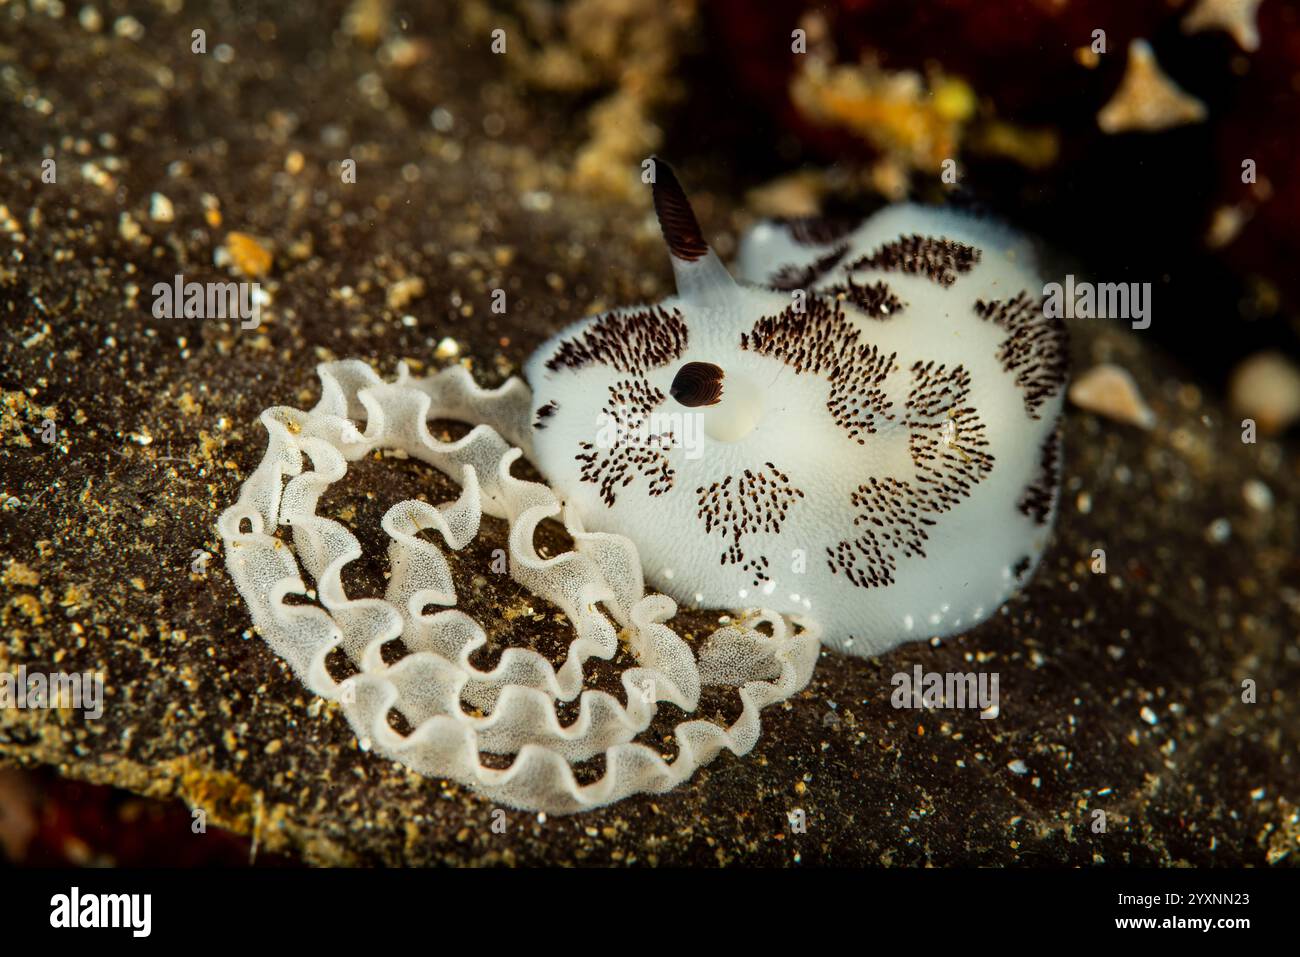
<point>1257,495</point>
<point>536,201</point>
<point>128,27</point>
<point>90,19</point>
<point>161,209</point>
<point>442,119</point>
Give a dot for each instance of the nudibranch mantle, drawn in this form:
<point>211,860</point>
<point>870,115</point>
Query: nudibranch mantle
<point>863,430</point>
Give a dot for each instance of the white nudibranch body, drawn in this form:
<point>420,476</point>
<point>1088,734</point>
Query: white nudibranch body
<point>862,431</point>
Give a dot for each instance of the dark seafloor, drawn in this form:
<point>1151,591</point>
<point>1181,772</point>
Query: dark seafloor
<point>1120,692</point>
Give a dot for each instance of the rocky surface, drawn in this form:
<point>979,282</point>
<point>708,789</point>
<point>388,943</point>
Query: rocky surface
<point>1121,691</point>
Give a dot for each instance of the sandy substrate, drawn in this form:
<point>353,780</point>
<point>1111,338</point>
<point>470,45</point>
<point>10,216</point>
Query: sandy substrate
<point>1120,692</point>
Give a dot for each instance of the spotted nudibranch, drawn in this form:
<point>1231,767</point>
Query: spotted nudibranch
<point>863,430</point>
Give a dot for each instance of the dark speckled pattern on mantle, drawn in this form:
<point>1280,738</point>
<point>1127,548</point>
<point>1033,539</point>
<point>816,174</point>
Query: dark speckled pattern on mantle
<point>1120,692</point>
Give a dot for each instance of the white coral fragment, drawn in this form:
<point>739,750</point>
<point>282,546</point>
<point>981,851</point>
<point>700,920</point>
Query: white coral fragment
<point>1238,17</point>
<point>516,701</point>
<point>1147,100</point>
<point>1109,390</point>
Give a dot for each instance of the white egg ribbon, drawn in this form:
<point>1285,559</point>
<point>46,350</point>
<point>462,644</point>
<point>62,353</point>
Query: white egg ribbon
<point>359,413</point>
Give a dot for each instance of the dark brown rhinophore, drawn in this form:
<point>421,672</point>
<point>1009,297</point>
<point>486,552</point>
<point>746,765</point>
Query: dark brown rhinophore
<point>697,384</point>
<point>676,218</point>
